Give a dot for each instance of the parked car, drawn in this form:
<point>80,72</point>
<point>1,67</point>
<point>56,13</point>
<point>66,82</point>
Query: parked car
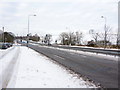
<point>8,44</point>
<point>3,46</point>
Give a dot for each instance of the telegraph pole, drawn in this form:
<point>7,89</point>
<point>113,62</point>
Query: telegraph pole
<point>3,35</point>
<point>105,37</point>
<point>28,37</point>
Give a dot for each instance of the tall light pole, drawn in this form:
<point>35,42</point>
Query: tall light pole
<point>3,34</point>
<point>28,26</point>
<point>105,31</point>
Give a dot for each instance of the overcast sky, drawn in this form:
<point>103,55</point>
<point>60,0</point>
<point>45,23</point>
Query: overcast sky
<point>53,16</point>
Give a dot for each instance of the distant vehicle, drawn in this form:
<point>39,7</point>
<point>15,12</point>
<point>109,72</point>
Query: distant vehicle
<point>49,44</point>
<point>3,46</point>
<point>8,44</point>
<point>23,43</point>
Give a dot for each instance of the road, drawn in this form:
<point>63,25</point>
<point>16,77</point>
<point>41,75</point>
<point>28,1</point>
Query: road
<point>114,52</point>
<point>99,69</point>
<point>94,50</point>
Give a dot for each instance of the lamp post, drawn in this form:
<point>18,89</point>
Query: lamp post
<point>29,27</point>
<point>3,35</point>
<point>105,31</point>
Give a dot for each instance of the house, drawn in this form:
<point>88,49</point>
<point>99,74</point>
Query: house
<point>91,43</point>
<point>9,37</point>
<point>6,36</point>
<point>1,35</point>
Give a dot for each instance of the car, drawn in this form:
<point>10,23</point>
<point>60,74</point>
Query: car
<point>8,44</point>
<point>49,44</point>
<point>3,46</point>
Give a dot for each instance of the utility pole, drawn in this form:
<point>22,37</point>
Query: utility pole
<point>3,35</point>
<point>105,37</point>
<point>28,36</point>
<point>105,31</point>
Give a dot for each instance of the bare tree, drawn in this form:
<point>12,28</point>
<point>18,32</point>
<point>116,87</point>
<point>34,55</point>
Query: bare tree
<point>95,35</point>
<point>64,37</point>
<point>67,38</point>
<point>107,35</point>
<point>118,39</point>
<point>79,36</point>
<point>34,38</point>
<point>72,38</point>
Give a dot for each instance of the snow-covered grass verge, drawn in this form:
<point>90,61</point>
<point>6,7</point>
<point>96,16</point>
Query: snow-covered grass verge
<point>38,71</point>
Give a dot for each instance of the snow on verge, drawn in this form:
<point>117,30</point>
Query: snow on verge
<point>38,71</point>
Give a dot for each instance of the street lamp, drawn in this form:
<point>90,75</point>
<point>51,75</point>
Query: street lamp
<point>3,35</point>
<point>28,25</point>
<point>29,21</point>
<point>105,31</point>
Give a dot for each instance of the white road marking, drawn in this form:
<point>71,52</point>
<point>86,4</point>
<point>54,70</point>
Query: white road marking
<point>59,57</point>
<point>72,53</point>
<point>83,56</point>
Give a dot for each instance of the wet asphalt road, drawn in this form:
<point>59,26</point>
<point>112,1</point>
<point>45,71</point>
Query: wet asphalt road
<point>99,69</point>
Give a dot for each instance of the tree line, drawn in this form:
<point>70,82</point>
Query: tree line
<point>76,38</point>
<point>99,39</point>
